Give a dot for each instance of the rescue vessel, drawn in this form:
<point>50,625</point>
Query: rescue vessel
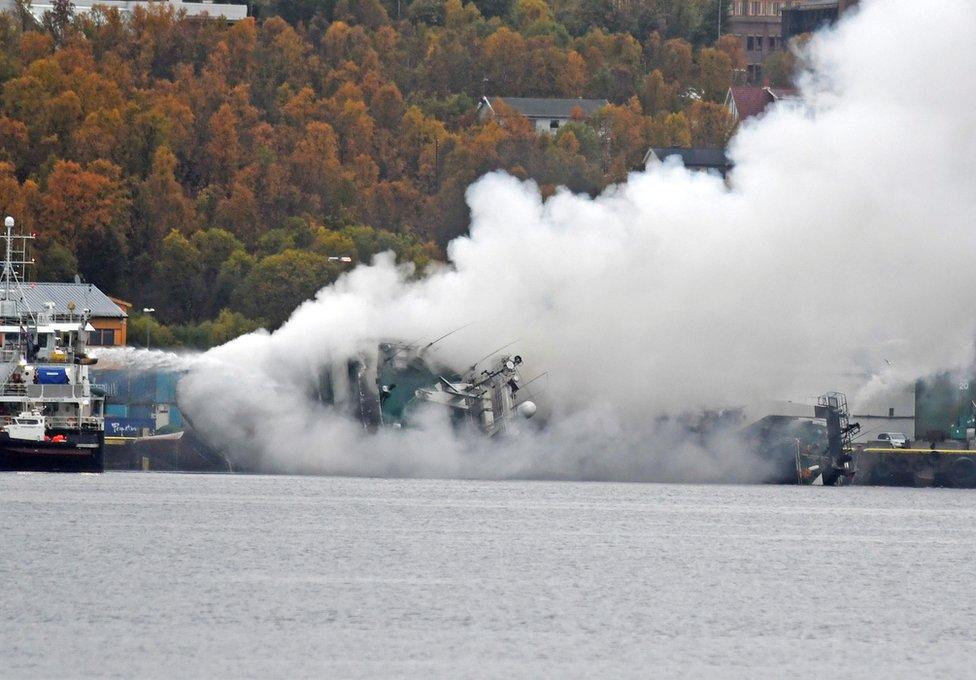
<point>51,417</point>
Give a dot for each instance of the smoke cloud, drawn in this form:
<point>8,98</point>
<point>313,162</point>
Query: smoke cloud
<point>840,247</point>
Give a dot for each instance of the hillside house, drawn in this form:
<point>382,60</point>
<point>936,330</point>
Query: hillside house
<point>746,101</point>
<point>547,115</point>
<point>702,160</point>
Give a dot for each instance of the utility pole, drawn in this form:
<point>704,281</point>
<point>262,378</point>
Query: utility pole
<point>148,312</point>
<point>721,3</point>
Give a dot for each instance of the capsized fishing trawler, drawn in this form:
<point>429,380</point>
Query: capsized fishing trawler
<point>384,387</point>
<point>51,418</point>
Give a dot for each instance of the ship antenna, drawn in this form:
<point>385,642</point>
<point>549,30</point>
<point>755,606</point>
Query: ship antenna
<point>429,344</point>
<point>446,335</point>
<point>493,353</point>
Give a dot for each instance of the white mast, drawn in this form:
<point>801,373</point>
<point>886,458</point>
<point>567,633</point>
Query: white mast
<point>8,307</point>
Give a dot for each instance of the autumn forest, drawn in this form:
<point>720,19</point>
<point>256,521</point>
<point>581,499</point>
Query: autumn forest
<point>210,170</point>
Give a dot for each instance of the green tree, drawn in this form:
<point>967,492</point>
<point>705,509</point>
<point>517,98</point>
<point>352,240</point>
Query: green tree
<point>216,247</point>
<point>56,263</point>
<point>229,325</point>
<point>714,73</point>
<point>279,283</point>
<point>159,335</point>
<point>779,67</point>
<point>178,280</point>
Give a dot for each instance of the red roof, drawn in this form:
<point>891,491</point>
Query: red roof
<point>783,92</point>
<point>750,100</point>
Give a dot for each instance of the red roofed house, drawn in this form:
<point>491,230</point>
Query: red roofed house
<point>746,101</point>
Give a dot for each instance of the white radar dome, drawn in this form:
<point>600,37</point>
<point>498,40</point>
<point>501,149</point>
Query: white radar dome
<point>527,409</point>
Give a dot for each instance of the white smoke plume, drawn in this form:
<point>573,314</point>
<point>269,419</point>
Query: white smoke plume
<point>841,246</point>
<point>136,359</point>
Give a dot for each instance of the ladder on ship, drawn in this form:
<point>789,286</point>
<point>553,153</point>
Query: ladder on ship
<point>832,407</point>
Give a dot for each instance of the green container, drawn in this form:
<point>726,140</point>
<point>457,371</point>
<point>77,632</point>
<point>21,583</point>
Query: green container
<point>942,405</point>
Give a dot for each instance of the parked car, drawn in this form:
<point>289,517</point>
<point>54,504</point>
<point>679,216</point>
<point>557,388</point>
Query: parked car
<point>898,440</point>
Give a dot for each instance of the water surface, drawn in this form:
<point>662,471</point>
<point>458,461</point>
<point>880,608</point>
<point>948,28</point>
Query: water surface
<point>158,575</point>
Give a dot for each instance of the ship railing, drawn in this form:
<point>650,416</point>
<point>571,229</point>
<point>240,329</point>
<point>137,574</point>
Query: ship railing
<point>64,422</point>
<point>56,391</point>
<point>32,391</point>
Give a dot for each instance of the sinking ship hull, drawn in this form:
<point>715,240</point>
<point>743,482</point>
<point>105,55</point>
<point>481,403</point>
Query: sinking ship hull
<point>82,452</point>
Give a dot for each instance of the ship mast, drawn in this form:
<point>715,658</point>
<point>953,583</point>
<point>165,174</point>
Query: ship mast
<point>11,281</point>
<point>8,224</point>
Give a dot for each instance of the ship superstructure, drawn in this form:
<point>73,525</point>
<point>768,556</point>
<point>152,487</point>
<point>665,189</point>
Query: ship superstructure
<point>384,387</point>
<point>51,418</point>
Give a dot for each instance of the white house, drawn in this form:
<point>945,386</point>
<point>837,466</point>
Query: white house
<point>547,115</point>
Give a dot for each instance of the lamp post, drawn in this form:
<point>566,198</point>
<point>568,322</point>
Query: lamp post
<point>148,311</point>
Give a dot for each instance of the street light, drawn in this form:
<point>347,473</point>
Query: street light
<point>148,310</point>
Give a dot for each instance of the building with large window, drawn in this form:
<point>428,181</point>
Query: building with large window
<point>811,15</point>
<point>757,23</point>
<point>764,26</point>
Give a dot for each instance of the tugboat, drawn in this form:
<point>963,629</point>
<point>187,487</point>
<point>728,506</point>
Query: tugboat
<point>51,418</point>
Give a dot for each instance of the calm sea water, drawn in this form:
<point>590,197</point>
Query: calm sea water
<point>157,575</point>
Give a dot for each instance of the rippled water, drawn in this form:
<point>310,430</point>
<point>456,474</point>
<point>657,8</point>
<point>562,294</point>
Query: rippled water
<point>157,575</point>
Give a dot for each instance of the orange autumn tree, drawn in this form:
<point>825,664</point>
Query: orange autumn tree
<point>313,126</point>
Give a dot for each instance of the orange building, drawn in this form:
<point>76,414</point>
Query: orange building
<point>67,301</point>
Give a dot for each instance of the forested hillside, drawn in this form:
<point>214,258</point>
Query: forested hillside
<point>196,166</point>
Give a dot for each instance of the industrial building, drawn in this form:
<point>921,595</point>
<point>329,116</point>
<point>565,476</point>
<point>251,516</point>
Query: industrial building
<point>230,12</point>
<point>765,26</point>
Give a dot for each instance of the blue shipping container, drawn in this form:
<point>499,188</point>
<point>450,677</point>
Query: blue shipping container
<point>117,410</point>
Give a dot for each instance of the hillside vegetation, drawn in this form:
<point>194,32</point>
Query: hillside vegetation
<point>211,170</point>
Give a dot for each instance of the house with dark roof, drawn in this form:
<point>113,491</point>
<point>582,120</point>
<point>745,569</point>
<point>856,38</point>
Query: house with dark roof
<point>547,115</point>
<point>702,160</point>
<point>746,101</point>
<point>67,301</point>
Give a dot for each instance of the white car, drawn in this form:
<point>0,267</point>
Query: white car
<point>898,440</point>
